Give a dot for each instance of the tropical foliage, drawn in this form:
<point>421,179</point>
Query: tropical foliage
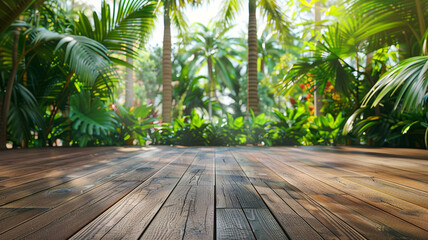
<point>62,80</point>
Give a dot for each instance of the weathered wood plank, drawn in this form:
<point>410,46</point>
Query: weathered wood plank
<point>104,171</point>
<point>79,211</point>
<point>237,196</point>
<point>359,214</point>
<point>399,191</point>
<point>232,224</point>
<point>142,203</point>
<point>297,226</point>
<point>51,197</point>
<point>227,169</point>
<point>238,192</point>
<point>188,213</point>
<point>233,188</point>
<point>72,168</point>
<point>402,209</point>
<point>272,193</point>
<point>10,218</point>
<point>408,175</point>
<point>264,225</point>
<point>201,172</point>
<point>63,221</point>
<point>34,165</point>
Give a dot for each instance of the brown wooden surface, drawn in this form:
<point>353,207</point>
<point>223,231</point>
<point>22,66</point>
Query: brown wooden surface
<point>206,193</point>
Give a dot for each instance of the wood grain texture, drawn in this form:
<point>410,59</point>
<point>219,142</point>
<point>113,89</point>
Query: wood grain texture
<point>204,193</point>
<point>63,221</point>
<point>297,222</point>
<point>10,218</point>
<point>51,197</point>
<point>264,225</point>
<point>90,203</point>
<point>188,213</point>
<point>233,188</point>
<point>413,213</point>
<point>201,172</point>
<point>368,220</point>
<point>70,183</point>
<point>280,194</point>
<point>142,203</point>
<point>232,224</point>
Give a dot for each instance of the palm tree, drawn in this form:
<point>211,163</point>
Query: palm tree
<point>166,64</point>
<point>213,48</point>
<point>172,10</point>
<point>9,11</point>
<point>269,49</point>
<point>276,19</point>
<point>86,56</point>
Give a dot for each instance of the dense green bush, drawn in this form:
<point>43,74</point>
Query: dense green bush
<point>294,127</point>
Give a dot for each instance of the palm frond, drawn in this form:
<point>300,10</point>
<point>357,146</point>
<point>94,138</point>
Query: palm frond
<point>120,26</point>
<point>89,116</point>
<point>229,11</point>
<point>24,115</point>
<point>86,57</point>
<point>409,79</point>
<point>272,10</point>
<point>388,12</point>
<point>10,10</point>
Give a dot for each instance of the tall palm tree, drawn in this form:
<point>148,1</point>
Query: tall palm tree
<point>166,64</point>
<point>276,19</point>
<point>172,10</point>
<point>213,49</point>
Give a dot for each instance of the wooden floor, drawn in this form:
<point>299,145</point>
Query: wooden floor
<point>205,193</point>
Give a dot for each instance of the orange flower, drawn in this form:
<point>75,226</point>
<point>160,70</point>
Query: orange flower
<point>114,108</point>
<point>302,86</point>
<point>292,101</point>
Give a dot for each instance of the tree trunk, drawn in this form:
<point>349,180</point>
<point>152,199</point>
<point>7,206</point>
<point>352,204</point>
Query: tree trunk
<point>8,94</point>
<point>262,66</point>
<point>421,19</point>
<point>129,86</point>
<point>211,88</point>
<point>166,66</point>
<point>252,95</point>
<point>317,96</point>
<point>368,70</point>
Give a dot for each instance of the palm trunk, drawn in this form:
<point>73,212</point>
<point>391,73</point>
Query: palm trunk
<point>129,86</point>
<point>7,98</point>
<point>317,96</point>
<point>421,19</point>
<point>211,88</point>
<point>262,66</point>
<point>252,95</point>
<point>369,68</point>
<point>166,67</point>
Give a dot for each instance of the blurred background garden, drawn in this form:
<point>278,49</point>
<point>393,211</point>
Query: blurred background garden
<point>213,73</point>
